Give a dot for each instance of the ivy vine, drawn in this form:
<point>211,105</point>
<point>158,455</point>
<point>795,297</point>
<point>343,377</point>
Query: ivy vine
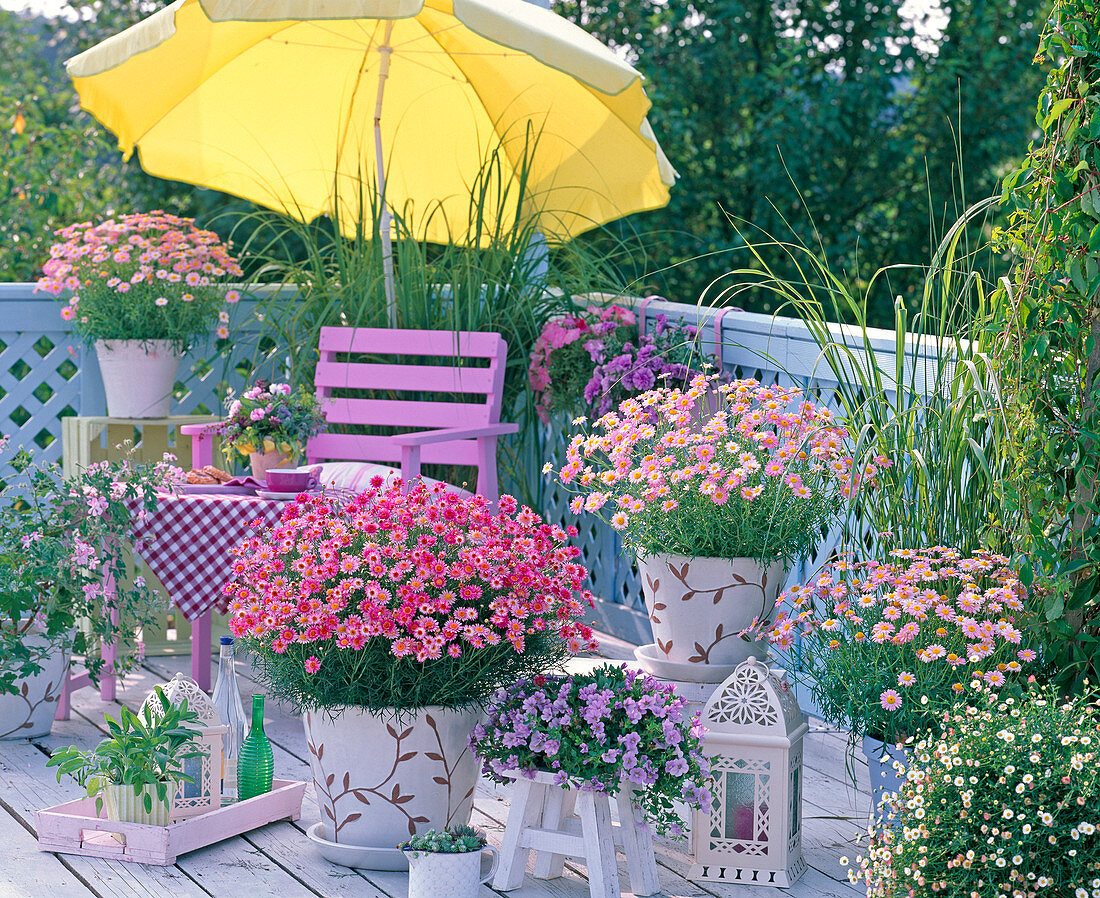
<point>1048,317</point>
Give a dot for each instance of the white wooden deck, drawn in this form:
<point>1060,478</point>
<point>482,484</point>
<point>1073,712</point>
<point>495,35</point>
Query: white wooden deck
<point>279,860</point>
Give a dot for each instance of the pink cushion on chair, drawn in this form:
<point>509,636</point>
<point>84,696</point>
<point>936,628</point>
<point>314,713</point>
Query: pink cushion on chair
<point>356,475</point>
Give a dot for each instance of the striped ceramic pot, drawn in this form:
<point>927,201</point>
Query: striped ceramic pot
<point>127,806</point>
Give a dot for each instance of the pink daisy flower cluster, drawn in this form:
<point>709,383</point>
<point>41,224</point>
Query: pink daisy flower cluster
<point>909,632</point>
<point>155,274</point>
<point>674,463</point>
<point>429,572</point>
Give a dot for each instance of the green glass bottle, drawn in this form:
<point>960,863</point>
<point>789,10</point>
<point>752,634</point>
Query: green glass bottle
<point>255,763</point>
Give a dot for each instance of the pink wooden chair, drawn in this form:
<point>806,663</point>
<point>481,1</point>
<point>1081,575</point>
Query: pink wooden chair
<point>451,433</point>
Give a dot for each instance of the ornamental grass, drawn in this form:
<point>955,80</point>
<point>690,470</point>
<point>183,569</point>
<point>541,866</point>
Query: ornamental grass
<point>395,600</point>
<point>720,469</point>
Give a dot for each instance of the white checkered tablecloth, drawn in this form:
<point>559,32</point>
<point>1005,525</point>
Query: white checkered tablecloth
<point>187,543</point>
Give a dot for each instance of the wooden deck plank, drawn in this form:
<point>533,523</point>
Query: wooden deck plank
<point>27,872</point>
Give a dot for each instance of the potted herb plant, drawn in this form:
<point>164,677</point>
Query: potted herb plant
<point>136,770</point>
<point>59,540</point>
<point>1015,816</point>
<point>606,731</point>
<point>592,360</point>
<point>141,288</point>
<point>447,863</point>
<point>270,424</point>
<point>717,488</point>
<point>389,618</point>
<point>887,648</point>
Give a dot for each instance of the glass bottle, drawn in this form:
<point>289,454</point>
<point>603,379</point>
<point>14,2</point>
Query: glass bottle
<point>227,699</point>
<point>255,763</point>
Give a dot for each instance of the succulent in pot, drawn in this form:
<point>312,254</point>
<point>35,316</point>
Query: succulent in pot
<point>389,618</point>
<point>718,487</point>
<point>447,863</point>
<point>135,771</point>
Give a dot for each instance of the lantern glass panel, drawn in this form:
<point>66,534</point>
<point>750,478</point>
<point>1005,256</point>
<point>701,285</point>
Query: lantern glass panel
<point>193,767</point>
<point>795,811</point>
<point>740,806</point>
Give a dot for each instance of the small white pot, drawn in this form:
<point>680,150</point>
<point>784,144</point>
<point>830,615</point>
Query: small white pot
<point>126,806</point>
<point>697,606</point>
<point>885,778</point>
<point>30,712</point>
<point>436,874</point>
<point>138,376</point>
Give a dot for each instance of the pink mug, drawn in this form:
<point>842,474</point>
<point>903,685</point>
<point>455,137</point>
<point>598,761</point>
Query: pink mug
<point>289,480</point>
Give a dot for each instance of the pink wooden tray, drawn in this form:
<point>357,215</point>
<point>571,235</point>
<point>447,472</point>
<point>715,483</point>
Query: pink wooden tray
<point>74,828</point>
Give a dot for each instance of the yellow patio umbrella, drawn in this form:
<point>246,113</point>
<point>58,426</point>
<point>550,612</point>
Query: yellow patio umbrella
<point>282,102</point>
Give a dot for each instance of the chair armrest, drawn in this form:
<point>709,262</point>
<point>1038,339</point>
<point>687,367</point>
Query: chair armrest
<point>447,434</point>
<point>202,442</point>
<point>198,430</point>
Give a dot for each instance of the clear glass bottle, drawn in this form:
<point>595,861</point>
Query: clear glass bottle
<point>255,763</point>
<point>227,699</point>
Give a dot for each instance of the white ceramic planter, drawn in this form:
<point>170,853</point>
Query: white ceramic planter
<point>885,778</point>
<point>697,606</point>
<point>124,805</point>
<point>138,376</point>
<point>380,780</point>
<point>30,712</point>
<point>435,874</point>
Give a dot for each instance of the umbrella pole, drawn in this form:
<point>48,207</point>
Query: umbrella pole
<point>384,51</point>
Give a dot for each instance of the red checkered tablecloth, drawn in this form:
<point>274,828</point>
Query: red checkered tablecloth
<point>187,544</point>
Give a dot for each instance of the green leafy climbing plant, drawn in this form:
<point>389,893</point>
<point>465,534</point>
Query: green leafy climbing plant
<point>1048,316</point>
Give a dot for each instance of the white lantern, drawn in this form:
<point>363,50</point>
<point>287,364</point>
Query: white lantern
<point>752,831</point>
<point>204,794</point>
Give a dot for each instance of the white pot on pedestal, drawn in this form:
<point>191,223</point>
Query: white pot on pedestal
<point>138,376</point>
<point>380,780</point>
<point>29,713</point>
<point>697,607</point>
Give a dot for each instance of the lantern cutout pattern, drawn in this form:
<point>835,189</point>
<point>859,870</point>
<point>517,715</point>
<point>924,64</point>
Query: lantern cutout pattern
<point>752,831</point>
<point>205,793</point>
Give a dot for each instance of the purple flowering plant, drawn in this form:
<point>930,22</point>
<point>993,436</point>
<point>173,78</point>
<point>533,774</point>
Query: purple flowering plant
<point>597,355</point>
<point>601,732</point>
<point>270,416</point>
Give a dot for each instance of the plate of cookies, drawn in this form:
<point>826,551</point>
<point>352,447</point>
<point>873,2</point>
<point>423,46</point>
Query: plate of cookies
<point>209,479</point>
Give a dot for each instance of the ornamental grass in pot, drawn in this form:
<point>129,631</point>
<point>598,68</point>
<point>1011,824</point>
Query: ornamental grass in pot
<point>888,648</point>
<point>718,488</point>
<point>59,540</point>
<point>389,619</point>
<point>142,288</point>
<point>135,772</point>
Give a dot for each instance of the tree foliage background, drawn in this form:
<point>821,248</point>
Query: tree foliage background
<point>833,122</point>
<point>829,121</point>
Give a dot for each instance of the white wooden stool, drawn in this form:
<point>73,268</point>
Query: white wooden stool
<point>543,818</point>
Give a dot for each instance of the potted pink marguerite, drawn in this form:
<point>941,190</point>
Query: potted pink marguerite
<point>887,648</point>
<point>717,488</point>
<point>389,619</point>
<point>141,288</point>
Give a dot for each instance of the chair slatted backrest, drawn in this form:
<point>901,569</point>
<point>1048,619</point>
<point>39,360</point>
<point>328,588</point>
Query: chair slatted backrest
<point>340,378</point>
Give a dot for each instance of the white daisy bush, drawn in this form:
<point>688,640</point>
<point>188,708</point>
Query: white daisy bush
<point>1005,803</point>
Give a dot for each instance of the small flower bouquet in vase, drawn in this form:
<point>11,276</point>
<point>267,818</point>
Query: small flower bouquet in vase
<point>887,648</point>
<point>141,288</point>
<point>717,488</point>
<point>270,425</point>
<point>389,619</point>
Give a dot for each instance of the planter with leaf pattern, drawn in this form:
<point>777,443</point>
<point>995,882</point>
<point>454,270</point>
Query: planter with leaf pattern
<point>380,780</point>
<point>698,606</point>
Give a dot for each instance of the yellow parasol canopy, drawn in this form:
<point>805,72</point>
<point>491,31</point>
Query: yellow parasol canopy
<point>282,102</point>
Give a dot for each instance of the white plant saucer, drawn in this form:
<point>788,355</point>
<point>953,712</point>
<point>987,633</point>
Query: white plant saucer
<point>362,856</point>
<point>651,660</point>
